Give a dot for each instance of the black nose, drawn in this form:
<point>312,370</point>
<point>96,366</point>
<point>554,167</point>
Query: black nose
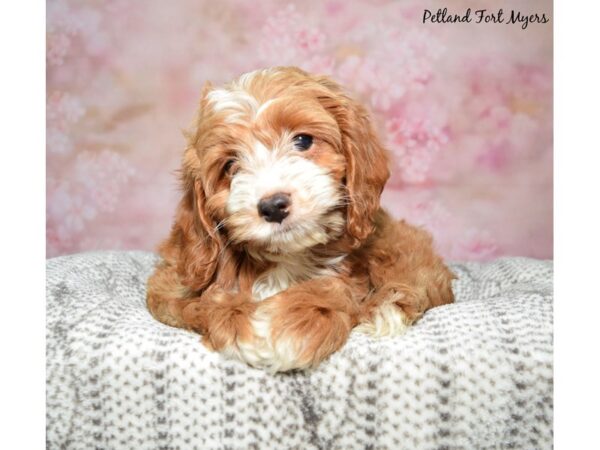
<point>275,207</point>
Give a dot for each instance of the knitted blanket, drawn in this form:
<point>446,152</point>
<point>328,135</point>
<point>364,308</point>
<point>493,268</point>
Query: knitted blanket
<point>476,374</point>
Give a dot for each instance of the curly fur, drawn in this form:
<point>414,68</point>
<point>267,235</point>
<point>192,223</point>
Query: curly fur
<point>285,296</point>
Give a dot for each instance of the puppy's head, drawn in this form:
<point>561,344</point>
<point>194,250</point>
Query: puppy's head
<point>280,161</point>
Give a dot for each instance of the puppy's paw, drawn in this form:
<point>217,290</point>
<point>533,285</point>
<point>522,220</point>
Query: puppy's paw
<point>388,312</point>
<point>385,320</point>
<point>221,317</point>
<point>291,336</point>
<point>265,352</point>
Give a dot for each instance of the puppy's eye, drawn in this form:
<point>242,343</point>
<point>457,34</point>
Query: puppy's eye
<point>228,166</point>
<point>303,142</point>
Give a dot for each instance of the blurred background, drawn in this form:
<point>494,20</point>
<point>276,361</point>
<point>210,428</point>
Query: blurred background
<point>465,109</point>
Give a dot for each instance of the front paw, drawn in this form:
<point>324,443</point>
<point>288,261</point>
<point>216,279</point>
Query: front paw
<point>290,336</point>
<point>386,320</point>
<point>389,311</point>
<point>221,317</point>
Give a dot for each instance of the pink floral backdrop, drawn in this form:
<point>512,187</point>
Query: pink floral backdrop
<point>465,109</point>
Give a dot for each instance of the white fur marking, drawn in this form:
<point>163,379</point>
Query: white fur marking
<point>236,99</point>
<point>293,269</point>
<point>262,352</point>
<point>388,320</point>
<point>313,219</point>
<point>262,108</point>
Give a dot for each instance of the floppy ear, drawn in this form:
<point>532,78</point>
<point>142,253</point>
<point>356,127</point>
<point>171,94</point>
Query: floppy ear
<point>366,159</point>
<point>193,246</point>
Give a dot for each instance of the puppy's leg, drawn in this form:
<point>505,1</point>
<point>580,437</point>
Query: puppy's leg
<point>221,317</point>
<point>300,327</point>
<point>407,275</point>
<point>167,297</point>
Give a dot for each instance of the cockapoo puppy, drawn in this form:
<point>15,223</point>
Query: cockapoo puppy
<point>279,246</point>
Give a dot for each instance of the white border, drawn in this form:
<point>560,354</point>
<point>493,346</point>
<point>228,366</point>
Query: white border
<point>22,224</point>
<point>577,224</point>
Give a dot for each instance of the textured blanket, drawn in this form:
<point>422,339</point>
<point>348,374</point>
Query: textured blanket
<point>476,374</point>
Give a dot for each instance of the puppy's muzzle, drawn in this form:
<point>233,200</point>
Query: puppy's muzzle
<point>275,208</point>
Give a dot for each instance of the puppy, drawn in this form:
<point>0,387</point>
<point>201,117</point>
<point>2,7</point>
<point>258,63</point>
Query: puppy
<point>279,247</point>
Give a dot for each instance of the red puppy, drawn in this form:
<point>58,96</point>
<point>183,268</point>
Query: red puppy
<point>279,246</point>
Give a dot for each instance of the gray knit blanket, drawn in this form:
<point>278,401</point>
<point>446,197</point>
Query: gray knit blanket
<point>476,374</point>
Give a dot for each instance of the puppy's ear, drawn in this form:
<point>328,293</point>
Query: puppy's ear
<point>193,245</point>
<point>366,159</point>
